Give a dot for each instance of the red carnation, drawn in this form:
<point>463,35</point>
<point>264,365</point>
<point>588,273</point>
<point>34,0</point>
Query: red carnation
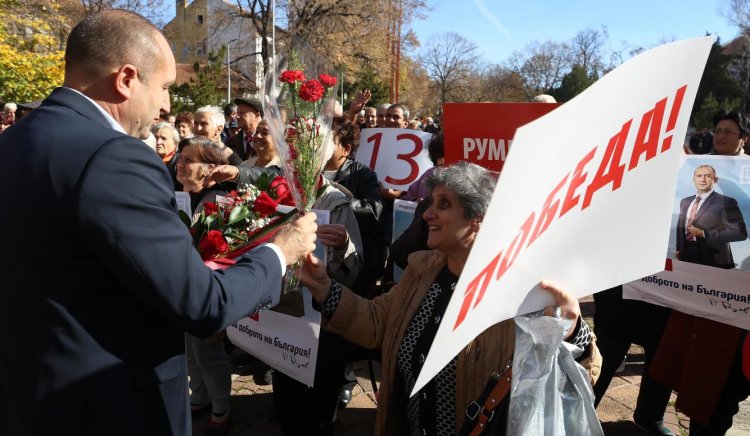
<point>212,245</point>
<point>264,205</point>
<point>327,81</point>
<point>280,189</point>
<point>291,76</point>
<point>311,91</point>
<point>210,208</point>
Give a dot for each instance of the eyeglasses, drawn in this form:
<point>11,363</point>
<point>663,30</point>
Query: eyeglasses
<point>725,132</point>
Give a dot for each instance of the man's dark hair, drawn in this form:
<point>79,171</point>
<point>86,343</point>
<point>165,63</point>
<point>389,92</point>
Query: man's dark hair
<point>436,148</point>
<point>736,116</point>
<point>109,39</point>
<point>347,133</point>
<point>229,108</point>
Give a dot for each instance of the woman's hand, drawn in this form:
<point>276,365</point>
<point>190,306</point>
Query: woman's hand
<point>223,173</point>
<point>314,276</point>
<point>333,235</point>
<point>568,306</point>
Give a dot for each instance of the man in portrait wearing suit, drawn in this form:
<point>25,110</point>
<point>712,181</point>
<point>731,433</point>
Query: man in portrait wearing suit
<point>708,222</point>
<point>100,277</point>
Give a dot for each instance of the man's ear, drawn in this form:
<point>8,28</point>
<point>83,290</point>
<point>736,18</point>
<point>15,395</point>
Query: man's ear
<point>125,78</point>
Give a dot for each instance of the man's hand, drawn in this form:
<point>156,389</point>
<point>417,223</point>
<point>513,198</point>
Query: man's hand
<point>360,100</point>
<point>297,238</point>
<point>568,305</point>
<point>333,235</point>
<point>314,276</point>
<point>695,231</point>
<point>223,173</point>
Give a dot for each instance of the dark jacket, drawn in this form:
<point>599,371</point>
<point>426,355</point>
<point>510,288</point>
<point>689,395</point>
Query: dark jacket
<point>100,281</point>
<point>362,182</point>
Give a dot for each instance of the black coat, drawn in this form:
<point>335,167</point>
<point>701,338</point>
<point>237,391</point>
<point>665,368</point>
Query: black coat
<point>100,281</point>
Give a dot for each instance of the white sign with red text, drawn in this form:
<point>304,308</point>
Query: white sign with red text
<point>398,156</point>
<point>587,207</point>
<point>285,339</point>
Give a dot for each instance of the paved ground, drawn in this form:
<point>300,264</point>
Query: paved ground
<point>252,408</point>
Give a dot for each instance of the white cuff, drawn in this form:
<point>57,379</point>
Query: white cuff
<point>279,253</point>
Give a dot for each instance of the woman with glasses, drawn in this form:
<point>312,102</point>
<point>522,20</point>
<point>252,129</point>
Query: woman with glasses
<point>702,359</point>
<point>730,134</point>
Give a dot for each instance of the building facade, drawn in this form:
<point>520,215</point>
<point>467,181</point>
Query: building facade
<point>203,26</point>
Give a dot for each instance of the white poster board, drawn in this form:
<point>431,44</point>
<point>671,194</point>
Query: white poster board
<point>691,285</point>
<point>183,202</point>
<point>286,343</point>
<point>398,156</point>
<point>586,207</point>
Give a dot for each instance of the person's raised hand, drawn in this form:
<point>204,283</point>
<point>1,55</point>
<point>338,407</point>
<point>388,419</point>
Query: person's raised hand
<point>567,304</point>
<point>222,173</point>
<point>360,100</point>
<point>333,235</point>
<point>314,276</point>
<point>297,238</point>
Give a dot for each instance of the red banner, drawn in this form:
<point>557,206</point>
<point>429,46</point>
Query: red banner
<point>482,132</point>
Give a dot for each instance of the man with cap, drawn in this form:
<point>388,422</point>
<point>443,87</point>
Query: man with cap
<point>249,114</point>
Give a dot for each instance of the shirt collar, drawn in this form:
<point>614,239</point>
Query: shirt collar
<point>110,120</point>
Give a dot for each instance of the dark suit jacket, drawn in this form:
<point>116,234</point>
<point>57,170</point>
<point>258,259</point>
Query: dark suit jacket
<point>100,281</point>
<point>237,144</point>
<point>722,221</point>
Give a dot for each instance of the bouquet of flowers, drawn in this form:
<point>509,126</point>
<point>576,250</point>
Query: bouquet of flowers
<point>299,107</point>
<point>240,221</point>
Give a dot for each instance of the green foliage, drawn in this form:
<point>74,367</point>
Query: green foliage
<point>367,79</point>
<point>31,62</point>
<point>573,84</point>
<point>717,85</point>
<point>187,97</point>
<point>703,116</point>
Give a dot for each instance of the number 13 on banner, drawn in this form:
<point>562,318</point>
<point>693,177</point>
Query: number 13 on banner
<point>398,156</point>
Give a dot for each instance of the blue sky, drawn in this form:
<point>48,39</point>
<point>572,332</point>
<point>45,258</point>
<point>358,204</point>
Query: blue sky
<point>498,27</point>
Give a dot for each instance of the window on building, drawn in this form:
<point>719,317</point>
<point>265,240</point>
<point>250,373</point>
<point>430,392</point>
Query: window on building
<point>200,48</point>
<point>186,48</point>
<point>199,19</point>
<point>173,46</point>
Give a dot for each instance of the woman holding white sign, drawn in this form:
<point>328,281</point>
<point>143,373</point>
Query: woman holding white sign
<point>404,321</point>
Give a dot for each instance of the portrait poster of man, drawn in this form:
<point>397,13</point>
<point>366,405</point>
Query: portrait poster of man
<point>712,200</point>
<point>708,258</point>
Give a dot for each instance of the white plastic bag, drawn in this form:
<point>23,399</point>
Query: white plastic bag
<point>550,393</point>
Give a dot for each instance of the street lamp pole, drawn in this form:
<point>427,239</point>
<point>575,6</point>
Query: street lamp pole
<point>229,76</point>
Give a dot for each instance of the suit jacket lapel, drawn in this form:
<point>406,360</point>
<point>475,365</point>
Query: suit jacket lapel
<point>704,207</point>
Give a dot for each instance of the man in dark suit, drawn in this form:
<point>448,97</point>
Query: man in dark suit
<point>249,114</point>
<point>708,222</point>
<point>100,279</point>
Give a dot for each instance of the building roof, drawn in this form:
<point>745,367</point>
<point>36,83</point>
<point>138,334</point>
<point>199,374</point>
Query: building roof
<point>735,47</point>
<point>186,74</point>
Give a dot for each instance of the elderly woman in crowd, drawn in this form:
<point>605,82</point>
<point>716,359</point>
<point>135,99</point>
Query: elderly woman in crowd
<point>404,321</point>
<point>167,138</point>
<point>265,148</point>
<point>208,364</point>
<point>184,124</point>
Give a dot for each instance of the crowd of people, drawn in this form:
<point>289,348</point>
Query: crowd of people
<point>119,313</point>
